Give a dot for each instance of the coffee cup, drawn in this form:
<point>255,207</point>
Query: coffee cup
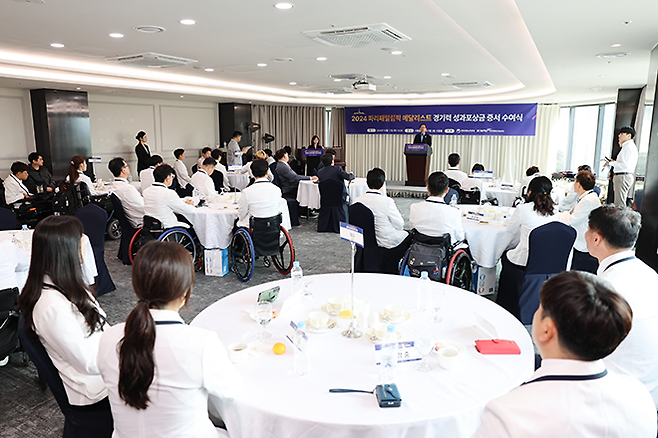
<point>448,357</point>
<point>336,303</point>
<point>238,352</point>
<point>380,329</point>
<point>394,311</point>
<point>318,320</point>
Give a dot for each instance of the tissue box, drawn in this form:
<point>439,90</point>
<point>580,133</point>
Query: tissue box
<point>484,280</point>
<point>216,262</point>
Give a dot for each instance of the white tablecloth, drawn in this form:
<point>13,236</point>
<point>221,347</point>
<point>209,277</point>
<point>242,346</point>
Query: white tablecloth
<point>308,193</point>
<point>505,197</point>
<point>238,180</point>
<point>88,266</point>
<point>214,223</point>
<point>488,241</point>
<point>358,186</point>
<point>104,187</point>
<point>277,403</point>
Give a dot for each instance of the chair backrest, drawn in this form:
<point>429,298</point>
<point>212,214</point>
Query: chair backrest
<point>3,200</point>
<point>120,214</point>
<point>450,194</point>
<point>94,221</point>
<point>549,248</point>
<point>469,196</point>
<point>331,193</point>
<point>265,234</point>
<point>152,224</point>
<point>453,183</point>
<point>362,217</point>
<point>597,190</point>
<point>7,219</point>
<point>218,180</point>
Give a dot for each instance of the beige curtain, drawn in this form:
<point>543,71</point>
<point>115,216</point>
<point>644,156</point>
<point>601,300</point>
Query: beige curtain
<point>507,156</point>
<point>337,130</point>
<point>290,125</point>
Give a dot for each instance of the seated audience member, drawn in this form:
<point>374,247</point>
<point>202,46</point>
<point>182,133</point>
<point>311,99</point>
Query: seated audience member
<point>453,171</point>
<point>131,201</point>
<point>330,151</point>
<point>62,313</point>
<point>577,218</point>
<point>261,199</point>
<point>163,204</point>
<point>329,171</point>
<point>389,224</point>
<point>270,158</point>
<point>206,152</point>
<point>181,169</point>
<point>162,374</point>
<point>77,176</point>
<point>38,175</point>
<point>611,235</point>
<point>580,320</point>
<point>433,217</point>
<point>221,169</point>
<point>15,190</point>
<point>288,180</point>
<point>571,197</point>
<point>530,173</point>
<point>260,155</point>
<point>471,182</point>
<point>12,260</point>
<point>293,163</point>
<point>146,175</point>
<point>202,181</point>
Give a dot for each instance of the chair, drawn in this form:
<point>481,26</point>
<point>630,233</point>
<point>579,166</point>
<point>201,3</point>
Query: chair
<point>452,193</point>
<point>333,209</point>
<point>372,257</point>
<point>549,248</point>
<point>469,196</point>
<point>7,219</point>
<point>127,231</point>
<point>453,183</point>
<point>9,313</point>
<point>78,422</point>
<point>218,180</point>
<point>93,219</point>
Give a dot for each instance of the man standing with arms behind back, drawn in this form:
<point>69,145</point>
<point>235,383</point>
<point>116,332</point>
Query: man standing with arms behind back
<point>624,167</point>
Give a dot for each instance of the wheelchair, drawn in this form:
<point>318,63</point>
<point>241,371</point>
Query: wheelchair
<point>265,237</point>
<point>444,262</point>
<point>153,230</point>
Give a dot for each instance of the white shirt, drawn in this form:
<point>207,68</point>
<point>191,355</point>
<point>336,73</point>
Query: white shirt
<point>234,154</point>
<point>637,355</point>
<point>270,160</point>
<point>203,182</point>
<point>247,169</point>
<point>191,366</point>
<point>569,200</point>
<point>523,221</point>
<point>456,174</point>
<point>12,260</point>
<point>388,220</point>
<point>131,201</point>
<point>433,217</point>
<point>613,406</point>
<point>470,183</point>
<point>627,158</point>
<point>261,199</point>
<point>64,333</point>
<point>181,174</point>
<point>82,178</point>
<point>15,190</point>
<point>146,177</point>
<point>579,216</point>
<point>161,203</point>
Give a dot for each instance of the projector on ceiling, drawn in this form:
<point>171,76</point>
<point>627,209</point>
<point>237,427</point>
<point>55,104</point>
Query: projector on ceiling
<point>364,86</point>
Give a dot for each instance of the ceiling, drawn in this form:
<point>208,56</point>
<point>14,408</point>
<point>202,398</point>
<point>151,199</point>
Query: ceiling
<point>528,50</point>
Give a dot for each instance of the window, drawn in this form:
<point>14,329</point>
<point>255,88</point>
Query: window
<point>643,146</point>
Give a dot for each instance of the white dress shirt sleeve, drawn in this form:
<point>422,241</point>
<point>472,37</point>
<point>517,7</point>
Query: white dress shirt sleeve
<point>220,378</point>
<point>181,173</point>
<point>395,217</point>
<point>13,191</point>
<point>627,158</point>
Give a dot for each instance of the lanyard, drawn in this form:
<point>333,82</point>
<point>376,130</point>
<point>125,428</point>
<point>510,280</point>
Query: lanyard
<point>436,202</point>
<point>569,377</point>
<point>167,322</point>
<point>616,262</point>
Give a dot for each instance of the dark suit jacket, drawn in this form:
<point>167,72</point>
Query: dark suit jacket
<point>142,158</point>
<point>287,179</point>
<point>337,173</point>
<point>427,139</point>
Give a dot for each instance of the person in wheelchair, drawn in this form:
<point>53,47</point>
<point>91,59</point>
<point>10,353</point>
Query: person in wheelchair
<point>15,189</point>
<point>163,204</point>
<point>434,217</point>
<point>201,180</point>
<point>77,169</point>
<point>261,199</point>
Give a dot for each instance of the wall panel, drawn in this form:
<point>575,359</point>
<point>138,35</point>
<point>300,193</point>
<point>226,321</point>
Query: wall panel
<point>16,134</point>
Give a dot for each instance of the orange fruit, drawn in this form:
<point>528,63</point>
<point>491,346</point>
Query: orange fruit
<point>279,348</point>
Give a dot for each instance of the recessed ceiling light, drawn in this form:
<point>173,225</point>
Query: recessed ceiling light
<point>615,45</point>
<point>320,58</point>
<point>387,77</point>
<point>181,96</point>
<point>149,29</point>
<point>284,6</point>
<point>396,52</point>
<point>336,80</point>
<point>116,35</point>
<point>209,69</point>
<point>596,89</point>
<point>445,74</point>
<point>612,55</point>
<point>57,45</point>
<point>262,64</point>
<point>78,88</point>
<point>187,22</point>
<point>602,76</point>
<point>293,83</point>
<point>282,60</point>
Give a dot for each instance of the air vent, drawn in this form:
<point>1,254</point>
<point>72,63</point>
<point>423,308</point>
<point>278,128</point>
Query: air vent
<point>151,60</point>
<point>149,29</point>
<point>484,84</point>
<point>358,36</point>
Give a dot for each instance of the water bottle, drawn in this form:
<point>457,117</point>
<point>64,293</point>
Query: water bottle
<point>423,292</point>
<point>26,237</point>
<point>302,363</point>
<point>196,195</point>
<point>453,201</point>
<point>389,354</point>
<point>297,276</point>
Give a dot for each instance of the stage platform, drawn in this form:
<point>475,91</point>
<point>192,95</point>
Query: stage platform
<point>397,189</point>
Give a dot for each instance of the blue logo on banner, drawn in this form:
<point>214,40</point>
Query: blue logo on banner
<point>493,119</point>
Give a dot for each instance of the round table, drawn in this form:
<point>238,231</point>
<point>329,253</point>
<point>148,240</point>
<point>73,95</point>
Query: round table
<point>505,196</point>
<point>277,403</point>
<point>308,192</point>
<point>358,186</point>
<point>238,180</point>
<point>487,241</point>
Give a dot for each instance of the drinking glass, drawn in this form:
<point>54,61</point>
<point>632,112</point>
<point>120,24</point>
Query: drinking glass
<point>263,313</point>
<point>438,296</point>
<point>424,343</point>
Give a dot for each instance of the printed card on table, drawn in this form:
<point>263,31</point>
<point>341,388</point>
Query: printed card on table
<point>351,233</point>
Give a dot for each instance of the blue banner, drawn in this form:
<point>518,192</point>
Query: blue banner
<point>493,119</point>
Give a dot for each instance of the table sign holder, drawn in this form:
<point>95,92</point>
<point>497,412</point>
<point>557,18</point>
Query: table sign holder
<point>354,235</point>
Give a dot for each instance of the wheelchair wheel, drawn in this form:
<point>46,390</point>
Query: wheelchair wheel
<point>182,237</point>
<point>113,229</point>
<point>460,272</point>
<point>242,257</point>
<point>140,238</point>
<point>284,259</point>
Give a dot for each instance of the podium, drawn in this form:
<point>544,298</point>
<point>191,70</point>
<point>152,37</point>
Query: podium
<point>418,163</point>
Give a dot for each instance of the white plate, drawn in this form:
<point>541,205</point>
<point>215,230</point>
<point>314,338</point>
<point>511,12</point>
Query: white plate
<point>447,343</point>
<point>370,334</point>
<point>329,327</point>
<point>405,317</point>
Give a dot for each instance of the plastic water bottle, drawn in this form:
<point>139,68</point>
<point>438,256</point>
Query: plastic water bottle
<point>26,237</point>
<point>297,276</point>
<point>389,354</point>
<point>196,195</point>
<point>423,292</point>
<point>453,201</point>
<point>302,363</point>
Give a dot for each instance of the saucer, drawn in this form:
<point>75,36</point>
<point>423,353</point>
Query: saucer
<point>441,343</point>
<point>400,320</point>
<point>329,327</point>
<point>370,334</point>
<point>326,308</point>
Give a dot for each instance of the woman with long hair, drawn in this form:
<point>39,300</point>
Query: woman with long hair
<point>142,151</point>
<point>159,371</point>
<point>312,163</point>
<point>77,169</point>
<point>60,311</point>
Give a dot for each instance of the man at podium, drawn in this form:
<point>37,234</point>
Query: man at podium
<point>423,136</point>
